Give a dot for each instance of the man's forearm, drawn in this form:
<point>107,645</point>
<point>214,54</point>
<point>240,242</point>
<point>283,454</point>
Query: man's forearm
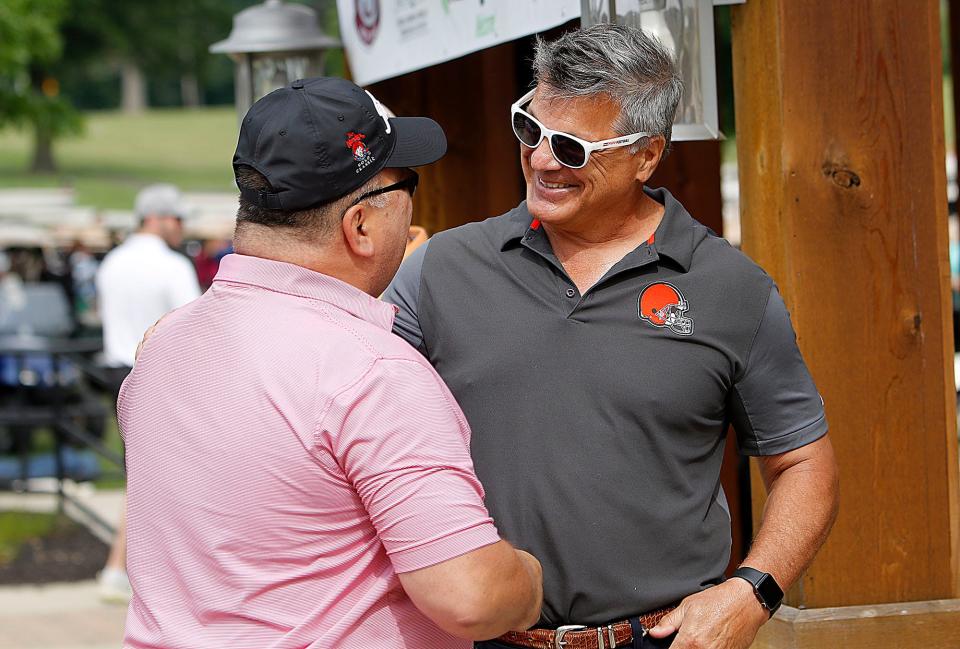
<point>802,502</point>
<point>800,510</point>
<point>481,594</point>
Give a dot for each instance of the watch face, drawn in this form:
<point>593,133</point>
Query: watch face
<point>769,592</point>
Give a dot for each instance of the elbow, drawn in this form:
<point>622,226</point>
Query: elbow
<point>480,620</point>
<point>835,493</point>
<point>481,615</point>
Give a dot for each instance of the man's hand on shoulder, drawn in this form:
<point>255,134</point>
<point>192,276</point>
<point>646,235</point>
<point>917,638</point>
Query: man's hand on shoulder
<point>726,616</point>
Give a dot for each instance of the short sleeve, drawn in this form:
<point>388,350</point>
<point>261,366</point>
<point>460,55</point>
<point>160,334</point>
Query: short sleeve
<point>774,404</point>
<point>402,442</point>
<point>404,293</point>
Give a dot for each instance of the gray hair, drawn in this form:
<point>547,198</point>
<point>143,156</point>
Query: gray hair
<point>313,224</point>
<point>631,67</point>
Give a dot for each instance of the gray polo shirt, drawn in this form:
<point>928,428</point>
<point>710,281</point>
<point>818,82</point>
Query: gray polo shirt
<point>599,419</point>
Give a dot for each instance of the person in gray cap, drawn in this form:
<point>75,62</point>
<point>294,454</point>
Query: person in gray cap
<point>138,282</point>
<point>601,341</point>
<point>298,476</point>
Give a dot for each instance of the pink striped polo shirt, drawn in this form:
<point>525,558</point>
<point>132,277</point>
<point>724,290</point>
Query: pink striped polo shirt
<point>287,457</point>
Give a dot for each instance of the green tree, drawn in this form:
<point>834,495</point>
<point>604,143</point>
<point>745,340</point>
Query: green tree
<point>160,46</point>
<point>30,43</point>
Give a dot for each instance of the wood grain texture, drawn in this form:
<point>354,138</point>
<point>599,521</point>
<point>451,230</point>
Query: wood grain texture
<point>843,201</point>
<point>470,97</point>
<point>692,174</point>
<point>914,625</point>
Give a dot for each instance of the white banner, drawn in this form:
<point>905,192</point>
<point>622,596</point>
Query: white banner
<point>387,38</point>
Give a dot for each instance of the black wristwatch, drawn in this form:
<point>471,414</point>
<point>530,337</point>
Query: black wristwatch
<point>765,587</point>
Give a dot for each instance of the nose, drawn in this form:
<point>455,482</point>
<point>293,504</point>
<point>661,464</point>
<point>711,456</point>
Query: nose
<point>542,158</point>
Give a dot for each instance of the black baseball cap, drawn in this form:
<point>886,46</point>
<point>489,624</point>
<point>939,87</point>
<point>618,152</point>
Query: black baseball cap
<point>319,139</point>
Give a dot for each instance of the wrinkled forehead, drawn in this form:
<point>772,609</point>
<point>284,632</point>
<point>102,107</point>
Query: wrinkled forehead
<point>589,116</point>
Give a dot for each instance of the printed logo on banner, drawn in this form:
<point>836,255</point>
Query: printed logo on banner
<point>663,306</point>
<point>367,19</point>
<point>361,153</point>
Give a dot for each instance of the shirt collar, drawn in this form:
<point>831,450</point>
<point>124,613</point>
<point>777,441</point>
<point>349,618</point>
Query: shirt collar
<point>674,238</point>
<point>291,279</point>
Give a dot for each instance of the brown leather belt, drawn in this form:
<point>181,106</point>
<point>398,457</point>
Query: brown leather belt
<point>575,636</point>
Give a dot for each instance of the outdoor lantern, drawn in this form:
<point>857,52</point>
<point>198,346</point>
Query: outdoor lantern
<point>272,45</point>
<point>686,28</point>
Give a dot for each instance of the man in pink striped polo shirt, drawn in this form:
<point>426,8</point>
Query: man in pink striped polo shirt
<point>297,475</point>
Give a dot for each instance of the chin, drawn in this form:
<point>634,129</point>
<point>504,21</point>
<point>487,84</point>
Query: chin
<point>549,212</point>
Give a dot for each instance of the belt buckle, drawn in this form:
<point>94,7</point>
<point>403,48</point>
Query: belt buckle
<point>558,642</point>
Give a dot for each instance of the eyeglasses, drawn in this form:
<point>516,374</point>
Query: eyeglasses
<point>569,150</point>
<point>409,183</point>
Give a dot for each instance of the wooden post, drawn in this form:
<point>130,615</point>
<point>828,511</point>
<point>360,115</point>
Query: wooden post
<point>843,200</point>
<point>953,13</point>
<point>470,97</point>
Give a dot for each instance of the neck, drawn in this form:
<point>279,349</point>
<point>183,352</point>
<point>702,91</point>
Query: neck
<point>607,229</point>
<point>326,257</point>
<point>602,239</point>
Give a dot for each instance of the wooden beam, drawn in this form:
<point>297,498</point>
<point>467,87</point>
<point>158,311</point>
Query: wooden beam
<point>843,200</point>
<point>470,97</point>
<point>692,173</point>
<point>914,625</point>
<point>953,14</point>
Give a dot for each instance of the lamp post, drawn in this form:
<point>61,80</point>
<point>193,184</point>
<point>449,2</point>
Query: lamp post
<point>272,44</point>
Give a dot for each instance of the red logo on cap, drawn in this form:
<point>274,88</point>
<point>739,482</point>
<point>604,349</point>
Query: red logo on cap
<point>361,153</point>
<point>355,143</point>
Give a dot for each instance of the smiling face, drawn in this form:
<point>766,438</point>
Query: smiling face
<point>559,195</point>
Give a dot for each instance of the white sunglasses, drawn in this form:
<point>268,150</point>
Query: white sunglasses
<point>569,150</point>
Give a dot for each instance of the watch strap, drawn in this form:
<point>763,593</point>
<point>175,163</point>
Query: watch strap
<point>765,587</point>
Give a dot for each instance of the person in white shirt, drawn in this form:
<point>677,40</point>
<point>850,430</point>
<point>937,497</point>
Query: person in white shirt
<point>143,278</point>
<point>138,282</point>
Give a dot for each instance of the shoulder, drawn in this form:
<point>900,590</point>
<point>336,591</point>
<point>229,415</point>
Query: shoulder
<point>464,248</point>
<point>177,261</point>
<point>112,258</point>
<point>716,256</point>
<point>385,345</point>
<point>727,292</point>
<point>720,256</point>
<point>489,233</point>
<point>369,340</point>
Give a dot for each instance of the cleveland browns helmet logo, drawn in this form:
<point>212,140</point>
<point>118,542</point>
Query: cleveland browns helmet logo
<point>662,305</point>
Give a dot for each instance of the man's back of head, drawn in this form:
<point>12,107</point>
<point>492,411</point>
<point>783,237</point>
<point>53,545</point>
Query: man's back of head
<point>318,164</point>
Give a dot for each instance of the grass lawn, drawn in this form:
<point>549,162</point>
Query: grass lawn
<point>19,527</point>
<point>118,154</point>
<point>111,438</point>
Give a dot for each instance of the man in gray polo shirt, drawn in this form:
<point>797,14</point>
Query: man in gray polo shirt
<point>600,341</point>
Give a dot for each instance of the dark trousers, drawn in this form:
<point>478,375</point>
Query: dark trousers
<point>113,378</point>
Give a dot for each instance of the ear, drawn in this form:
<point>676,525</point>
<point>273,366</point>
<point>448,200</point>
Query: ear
<point>355,226</point>
<point>649,157</point>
